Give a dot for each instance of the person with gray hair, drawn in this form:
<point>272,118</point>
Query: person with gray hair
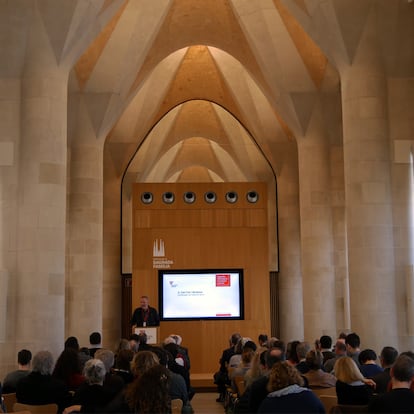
<point>112,384</point>
<point>40,387</point>
<point>91,397</point>
<point>302,349</point>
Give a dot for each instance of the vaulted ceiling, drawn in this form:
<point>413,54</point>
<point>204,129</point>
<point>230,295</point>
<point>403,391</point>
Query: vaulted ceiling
<point>222,90</point>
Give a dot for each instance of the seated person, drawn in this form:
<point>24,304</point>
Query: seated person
<point>68,369</point>
<point>400,399</point>
<point>113,384</point>
<point>317,378</point>
<point>39,387</point>
<point>91,397</point>
<point>351,386</point>
<point>24,358</point>
<point>387,358</point>
<point>287,394</point>
<point>368,363</point>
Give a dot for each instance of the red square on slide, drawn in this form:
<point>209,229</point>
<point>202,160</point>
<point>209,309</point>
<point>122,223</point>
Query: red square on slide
<point>222,280</point>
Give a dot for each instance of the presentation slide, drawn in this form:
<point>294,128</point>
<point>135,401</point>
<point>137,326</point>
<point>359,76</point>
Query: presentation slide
<point>201,295</point>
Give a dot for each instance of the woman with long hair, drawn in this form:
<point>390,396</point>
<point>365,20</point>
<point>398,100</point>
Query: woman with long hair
<point>351,386</point>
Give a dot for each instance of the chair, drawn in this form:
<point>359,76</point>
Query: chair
<point>328,401</point>
<point>176,406</point>
<point>240,384</point>
<point>9,400</point>
<point>348,409</point>
<point>324,391</point>
<point>36,409</point>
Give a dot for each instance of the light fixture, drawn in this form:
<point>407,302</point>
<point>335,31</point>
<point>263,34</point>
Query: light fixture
<point>252,197</point>
<point>189,197</point>
<point>147,197</point>
<point>231,197</point>
<point>210,197</point>
<point>168,197</point>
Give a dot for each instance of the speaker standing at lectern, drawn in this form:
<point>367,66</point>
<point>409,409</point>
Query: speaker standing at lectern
<point>145,315</point>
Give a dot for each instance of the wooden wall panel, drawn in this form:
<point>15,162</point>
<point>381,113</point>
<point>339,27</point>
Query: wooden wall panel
<point>202,235</point>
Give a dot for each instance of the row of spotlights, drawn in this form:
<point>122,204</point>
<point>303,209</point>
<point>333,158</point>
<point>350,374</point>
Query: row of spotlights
<point>209,197</point>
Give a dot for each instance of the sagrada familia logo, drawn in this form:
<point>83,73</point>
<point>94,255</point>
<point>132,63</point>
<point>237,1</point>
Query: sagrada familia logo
<point>159,260</point>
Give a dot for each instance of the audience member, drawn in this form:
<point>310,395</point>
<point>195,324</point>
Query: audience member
<point>340,351</point>
<point>257,368</point>
<point>291,354</point>
<point>236,357</point>
<point>245,364</point>
<point>123,365</point>
<point>400,399</point>
<point>262,340</point>
<point>221,378</point>
<point>287,394</point>
<point>112,384</point>
<point>39,387</point>
<point>143,342</point>
<point>134,342</point>
<point>68,369</point>
<point>387,359</point>
<point>91,397</point>
<point>95,340</point>
<point>150,392</point>
<point>368,363</point>
<point>73,343</point>
<point>178,388</point>
<point>325,342</point>
<point>258,390</point>
<point>353,343</point>
<point>316,377</point>
<point>24,358</point>
<point>351,387</point>
<point>302,349</point>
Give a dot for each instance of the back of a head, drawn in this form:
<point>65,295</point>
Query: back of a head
<point>282,375</point>
<point>263,339</point>
<point>302,349</point>
<point>403,369</point>
<point>388,355</point>
<point>340,348</point>
<point>326,341</point>
<point>95,338</point>
<point>72,342</point>
<point>107,357</point>
<point>353,340</point>
<point>367,355</point>
<point>162,354</point>
<point>250,345</point>
<point>346,370</point>
<point>314,359</point>
<point>123,359</point>
<point>43,363</point>
<point>235,338</point>
<point>94,371</point>
<point>143,361</point>
<point>24,357</point>
<point>274,355</point>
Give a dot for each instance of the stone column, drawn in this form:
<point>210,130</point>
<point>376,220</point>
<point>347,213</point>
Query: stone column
<point>318,272</point>
<point>41,205</point>
<point>368,195</point>
<point>85,227</point>
<point>290,277</point>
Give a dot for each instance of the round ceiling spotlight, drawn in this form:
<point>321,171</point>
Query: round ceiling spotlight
<point>231,197</point>
<point>252,197</point>
<point>147,197</point>
<point>210,197</point>
<point>189,197</point>
<point>168,197</point>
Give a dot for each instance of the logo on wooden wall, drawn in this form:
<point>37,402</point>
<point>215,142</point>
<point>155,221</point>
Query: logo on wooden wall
<point>159,259</point>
